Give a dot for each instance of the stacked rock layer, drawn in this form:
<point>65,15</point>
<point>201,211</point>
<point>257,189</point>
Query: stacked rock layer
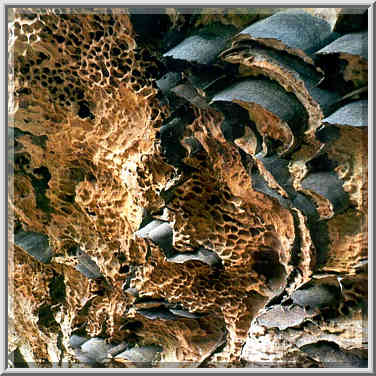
<point>188,189</point>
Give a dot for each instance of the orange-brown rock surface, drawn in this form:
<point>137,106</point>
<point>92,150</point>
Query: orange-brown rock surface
<point>187,189</point>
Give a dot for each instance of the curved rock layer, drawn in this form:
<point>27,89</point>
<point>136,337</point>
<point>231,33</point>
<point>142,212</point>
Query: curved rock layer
<point>187,189</point>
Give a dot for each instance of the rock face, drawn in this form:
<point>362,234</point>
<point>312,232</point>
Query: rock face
<point>191,195</point>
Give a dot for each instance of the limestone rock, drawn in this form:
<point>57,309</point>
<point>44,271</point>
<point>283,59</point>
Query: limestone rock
<point>187,189</point>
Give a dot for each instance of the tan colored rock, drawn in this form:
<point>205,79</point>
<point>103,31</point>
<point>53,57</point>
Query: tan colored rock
<point>202,239</point>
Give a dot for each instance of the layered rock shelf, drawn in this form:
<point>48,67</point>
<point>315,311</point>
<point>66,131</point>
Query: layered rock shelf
<point>188,188</point>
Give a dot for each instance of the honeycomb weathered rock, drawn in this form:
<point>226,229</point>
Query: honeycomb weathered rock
<point>199,192</point>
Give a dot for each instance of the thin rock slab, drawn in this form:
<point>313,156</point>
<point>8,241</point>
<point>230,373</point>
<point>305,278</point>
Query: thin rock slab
<point>291,72</point>
<point>158,313</point>
<point>140,355</point>
<point>345,62</point>
<point>329,186</point>
<point>87,266</point>
<point>333,356</point>
<point>352,44</point>
<point>203,47</point>
<point>294,30</point>
<point>144,232</point>
<point>317,296</point>
<point>285,317</point>
<point>276,113</point>
<point>354,114</point>
<point>206,256</point>
<point>35,244</point>
<point>76,341</point>
<point>185,314</point>
<point>95,349</point>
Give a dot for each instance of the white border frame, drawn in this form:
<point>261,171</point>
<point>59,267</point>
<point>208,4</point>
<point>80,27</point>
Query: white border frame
<point>193,3</point>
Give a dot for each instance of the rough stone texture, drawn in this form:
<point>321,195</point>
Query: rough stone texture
<point>295,28</point>
<point>353,114</point>
<point>201,209</point>
<point>346,59</point>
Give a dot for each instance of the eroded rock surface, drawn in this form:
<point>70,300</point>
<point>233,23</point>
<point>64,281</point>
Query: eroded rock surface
<point>194,196</point>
